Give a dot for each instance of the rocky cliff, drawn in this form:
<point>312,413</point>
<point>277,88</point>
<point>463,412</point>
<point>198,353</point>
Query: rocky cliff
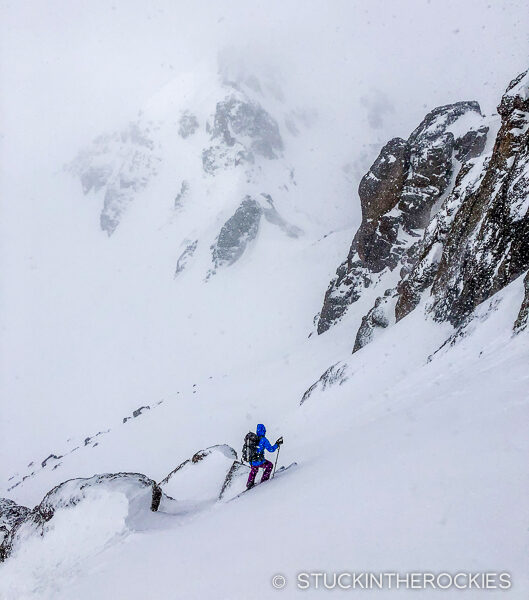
<point>398,195</point>
<point>445,217</point>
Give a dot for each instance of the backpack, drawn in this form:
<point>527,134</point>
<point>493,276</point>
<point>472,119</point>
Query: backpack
<point>249,450</point>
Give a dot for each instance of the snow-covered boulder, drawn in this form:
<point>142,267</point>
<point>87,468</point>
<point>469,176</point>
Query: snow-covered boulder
<point>381,316</point>
<point>119,165</point>
<point>199,479</point>
<point>235,481</point>
<point>336,374</point>
<point>87,512</point>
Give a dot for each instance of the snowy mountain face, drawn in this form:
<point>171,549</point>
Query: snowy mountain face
<point>206,177</point>
<point>233,133</point>
<point>200,294</point>
<point>404,186</point>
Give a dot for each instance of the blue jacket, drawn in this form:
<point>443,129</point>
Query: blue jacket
<point>264,444</point>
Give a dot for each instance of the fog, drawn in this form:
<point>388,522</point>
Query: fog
<point>70,70</point>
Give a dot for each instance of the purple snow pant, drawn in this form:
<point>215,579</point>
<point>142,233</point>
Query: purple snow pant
<point>267,466</point>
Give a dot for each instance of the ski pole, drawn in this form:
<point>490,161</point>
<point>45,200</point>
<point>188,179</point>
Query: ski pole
<point>278,449</point>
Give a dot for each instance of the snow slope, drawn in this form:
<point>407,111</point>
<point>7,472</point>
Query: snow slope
<point>409,465</point>
<point>113,329</point>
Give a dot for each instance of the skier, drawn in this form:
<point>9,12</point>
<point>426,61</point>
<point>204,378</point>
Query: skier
<point>255,446</point>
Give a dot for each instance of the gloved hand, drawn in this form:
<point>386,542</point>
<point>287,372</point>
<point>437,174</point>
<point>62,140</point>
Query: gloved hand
<point>279,441</point>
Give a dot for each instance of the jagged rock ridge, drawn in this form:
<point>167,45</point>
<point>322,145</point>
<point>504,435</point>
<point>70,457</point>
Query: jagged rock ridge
<point>238,231</point>
<point>398,196</point>
<point>241,130</point>
<point>475,243</point>
<point>241,229</point>
<point>199,479</point>
<point>488,244</point>
<point>479,241</point>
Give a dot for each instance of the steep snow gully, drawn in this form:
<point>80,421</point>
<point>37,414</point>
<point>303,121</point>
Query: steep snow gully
<point>404,401</point>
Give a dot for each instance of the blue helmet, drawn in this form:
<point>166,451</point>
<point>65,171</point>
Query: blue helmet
<point>261,429</point>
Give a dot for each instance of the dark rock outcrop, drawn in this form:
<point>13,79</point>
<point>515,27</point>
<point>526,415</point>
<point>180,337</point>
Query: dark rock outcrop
<point>3,534</point>
<point>51,457</point>
<point>242,227</point>
<point>453,219</point>
<point>10,514</point>
<point>157,495</point>
<point>379,192</point>
<point>422,273</point>
<point>235,481</point>
<point>136,413</point>
<point>523,316</point>
<point>241,130</point>
<point>398,196</point>
<point>90,439</point>
<point>238,231</point>
<point>480,241</point>
<point>488,245</point>
<point>379,317</point>
<point>334,375</point>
